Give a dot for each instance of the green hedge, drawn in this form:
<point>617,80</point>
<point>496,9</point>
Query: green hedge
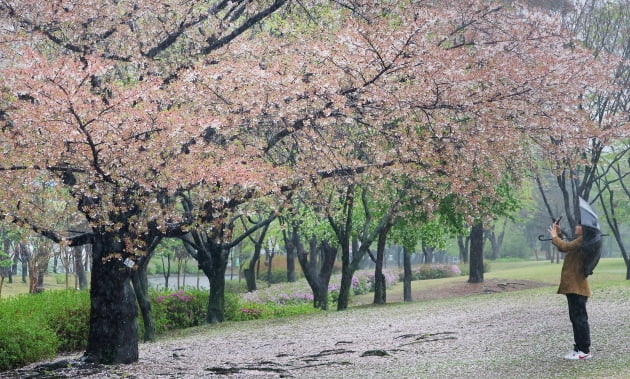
<point>179,309</point>
<point>36,327</point>
<point>21,343</point>
<point>434,271</point>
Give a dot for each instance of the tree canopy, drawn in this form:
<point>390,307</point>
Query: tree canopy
<point>125,105</point>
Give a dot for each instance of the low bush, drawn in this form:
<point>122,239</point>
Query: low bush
<point>179,309</point>
<point>278,275</point>
<point>68,315</point>
<point>363,281</point>
<point>21,343</point>
<point>60,279</point>
<point>250,307</point>
<point>434,271</point>
<point>35,327</point>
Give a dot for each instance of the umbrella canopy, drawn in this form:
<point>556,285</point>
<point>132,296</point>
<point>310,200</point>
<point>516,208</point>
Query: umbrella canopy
<point>588,217</point>
<point>592,245</point>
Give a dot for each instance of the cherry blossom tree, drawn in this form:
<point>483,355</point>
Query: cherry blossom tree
<point>579,162</point>
<point>455,102</point>
<point>91,102</point>
<point>126,105</point>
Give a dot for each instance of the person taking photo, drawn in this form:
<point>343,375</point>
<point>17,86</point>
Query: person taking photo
<point>574,285</point>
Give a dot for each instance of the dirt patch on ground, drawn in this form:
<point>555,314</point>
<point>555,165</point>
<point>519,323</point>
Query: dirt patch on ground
<point>457,289</point>
<point>488,286</point>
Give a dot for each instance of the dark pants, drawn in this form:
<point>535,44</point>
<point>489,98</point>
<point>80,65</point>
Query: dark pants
<point>579,320</point>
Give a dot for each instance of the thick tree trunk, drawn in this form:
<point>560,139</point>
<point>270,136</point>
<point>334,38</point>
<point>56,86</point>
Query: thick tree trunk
<point>214,265</point>
<point>380,289</point>
<point>317,280</point>
<point>251,272</point>
<point>39,285</point>
<point>320,297</point>
<point>344,288</point>
<point>113,335</point>
<point>347,271</point>
<point>216,302</point>
<point>476,254</point>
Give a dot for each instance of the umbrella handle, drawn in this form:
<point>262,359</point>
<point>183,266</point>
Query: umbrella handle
<point>541,237</point>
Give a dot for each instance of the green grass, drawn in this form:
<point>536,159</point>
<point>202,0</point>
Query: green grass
<point>18,288</point>
<point>609,272</point>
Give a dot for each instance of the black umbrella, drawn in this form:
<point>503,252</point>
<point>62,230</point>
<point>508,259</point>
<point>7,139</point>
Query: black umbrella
<point>588,217</point>
<point>592,237</point>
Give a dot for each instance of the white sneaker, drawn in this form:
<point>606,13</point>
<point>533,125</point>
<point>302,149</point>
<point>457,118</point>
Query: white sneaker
<point>578,355</point>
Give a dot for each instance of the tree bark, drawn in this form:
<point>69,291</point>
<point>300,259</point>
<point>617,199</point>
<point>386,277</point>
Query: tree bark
<point>25,273</point>
<point>216,276</point>
<point>113,335</point>
<point>290,261</point>
<point>78,267</point>
<point>141,290</point>
<point>347,271</point>
<point>317,280</point>
<point>254,264</point>
<point>463,248</point>
<point>380,285</point>
<point>166,269</point>
<point>269,260</point>
<point>476,254</point>
<point>250,272</point>
<point>407,276</point>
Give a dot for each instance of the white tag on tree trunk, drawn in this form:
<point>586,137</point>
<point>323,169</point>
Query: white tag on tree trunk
<point>129,262</point>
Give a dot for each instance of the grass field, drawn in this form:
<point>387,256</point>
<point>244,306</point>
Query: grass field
<point>609,270</point>
<point>18,287</point>
<point>520,334</point>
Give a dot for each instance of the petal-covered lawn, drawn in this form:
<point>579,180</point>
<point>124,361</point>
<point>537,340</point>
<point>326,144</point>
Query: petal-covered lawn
<point>494,334</point>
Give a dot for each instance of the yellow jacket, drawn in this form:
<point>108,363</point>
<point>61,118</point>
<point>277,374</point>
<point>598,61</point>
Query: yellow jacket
<point>572,279</point>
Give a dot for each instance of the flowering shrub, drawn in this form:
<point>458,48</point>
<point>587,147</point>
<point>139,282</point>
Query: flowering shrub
<point>333,293</point>
<point>180,309</point>
<point>255,313</point>
<point>298,293</point>
<point>281,294</point>
<point>250,313</point>
<point>363,281</point>
<point>433,271</point>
